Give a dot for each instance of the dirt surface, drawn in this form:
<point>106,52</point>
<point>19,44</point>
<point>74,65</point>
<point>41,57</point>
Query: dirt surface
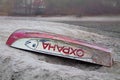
<point>22,65</point>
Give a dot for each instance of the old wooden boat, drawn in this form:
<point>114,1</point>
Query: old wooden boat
<point>59,45</point>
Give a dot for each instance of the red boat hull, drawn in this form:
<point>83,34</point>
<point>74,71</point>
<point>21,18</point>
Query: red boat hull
<point>59,45</point>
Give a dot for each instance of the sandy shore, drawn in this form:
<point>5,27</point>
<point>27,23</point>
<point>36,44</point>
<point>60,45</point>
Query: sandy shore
<point>22,65</point>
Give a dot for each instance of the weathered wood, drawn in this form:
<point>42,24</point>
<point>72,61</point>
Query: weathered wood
<point>59,45</point>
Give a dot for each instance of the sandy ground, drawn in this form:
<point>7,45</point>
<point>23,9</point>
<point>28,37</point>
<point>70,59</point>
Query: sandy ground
<point>103,25</point>
<point>22,65</point>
